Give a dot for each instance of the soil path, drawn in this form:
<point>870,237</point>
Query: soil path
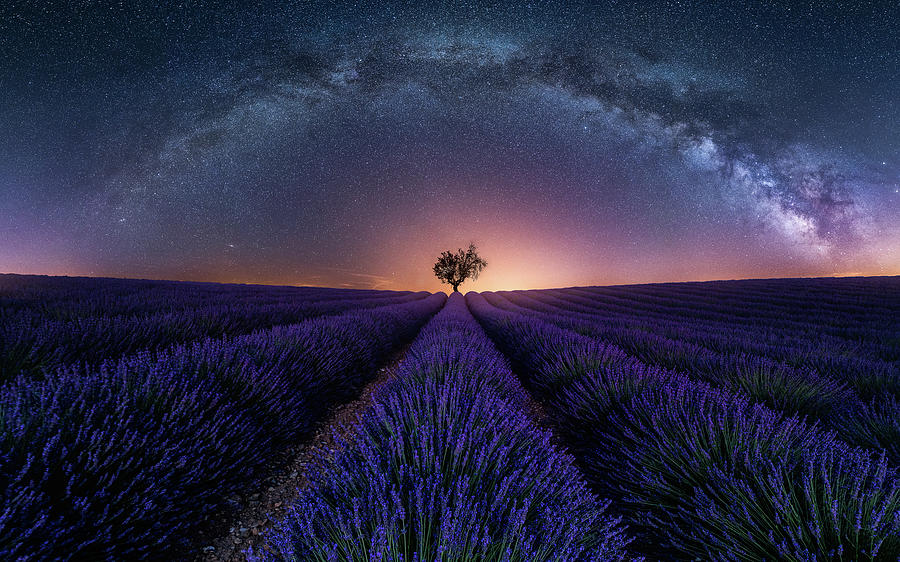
<point>263,503</point>
<point>256,511</point>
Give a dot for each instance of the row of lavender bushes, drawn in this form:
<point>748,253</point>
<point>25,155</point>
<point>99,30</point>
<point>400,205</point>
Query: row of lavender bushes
<point>32,344</point>
<point>62,298</point>
<point>811,307</point>
<point>870,352</point>
<point>699,471</point>
<point>767,381</point>
<point>863,407</point>
<point>447,465</point>
<point>774,333</point>
<point>771,331</point>
<point>122,461</point>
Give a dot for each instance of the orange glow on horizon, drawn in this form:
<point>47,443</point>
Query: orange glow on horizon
<point>524,248</point>
<point>498,284</point>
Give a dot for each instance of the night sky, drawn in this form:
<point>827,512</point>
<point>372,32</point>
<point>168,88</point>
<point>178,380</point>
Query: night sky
<point>348,145</point>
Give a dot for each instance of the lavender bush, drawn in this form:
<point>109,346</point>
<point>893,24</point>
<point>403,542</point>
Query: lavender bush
<point>876,425</point>
<point>728,480</point>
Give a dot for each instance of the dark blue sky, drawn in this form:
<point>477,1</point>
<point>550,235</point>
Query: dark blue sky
<point>318,143</point>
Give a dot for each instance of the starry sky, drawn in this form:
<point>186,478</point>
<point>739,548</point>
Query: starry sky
<point>348,144</point>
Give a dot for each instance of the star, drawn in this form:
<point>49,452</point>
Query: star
<point>604,140</point>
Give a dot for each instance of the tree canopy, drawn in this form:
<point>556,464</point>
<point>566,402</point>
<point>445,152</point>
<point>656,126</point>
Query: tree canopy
<point>454,268</point>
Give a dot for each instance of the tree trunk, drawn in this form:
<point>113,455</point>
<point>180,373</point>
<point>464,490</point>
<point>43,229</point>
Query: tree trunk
<point>455,287</point>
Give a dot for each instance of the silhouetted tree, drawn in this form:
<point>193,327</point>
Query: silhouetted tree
<point>455,268</point>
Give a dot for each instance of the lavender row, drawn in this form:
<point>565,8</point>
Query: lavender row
<point>444,466</point>
<point>31,345</point>
<point>872,423</point>
<point>874,317</point>
<point>701,472</point>
<point>709,304</point>
<point>62,298</point>
<point>864,295</point>
<point>839,293</point>
<point>871,327</point>
<point>794,313</point>
<point>720,335</point>
<point>794,391</point>
<point>858,336</point>
<point>123,461</point>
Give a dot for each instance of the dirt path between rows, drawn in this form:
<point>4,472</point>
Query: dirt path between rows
<point>265,502</point>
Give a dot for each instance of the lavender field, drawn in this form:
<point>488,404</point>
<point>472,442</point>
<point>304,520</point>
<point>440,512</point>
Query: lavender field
<point>727,420</point>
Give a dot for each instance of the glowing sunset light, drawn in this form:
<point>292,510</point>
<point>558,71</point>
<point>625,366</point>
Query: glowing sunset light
<point>583,145</point>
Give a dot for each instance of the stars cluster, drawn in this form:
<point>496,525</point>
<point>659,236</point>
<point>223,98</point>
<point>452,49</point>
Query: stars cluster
<point>327,144</point>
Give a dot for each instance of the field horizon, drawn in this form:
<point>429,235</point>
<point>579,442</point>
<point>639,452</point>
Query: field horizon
<point>447,291</point>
